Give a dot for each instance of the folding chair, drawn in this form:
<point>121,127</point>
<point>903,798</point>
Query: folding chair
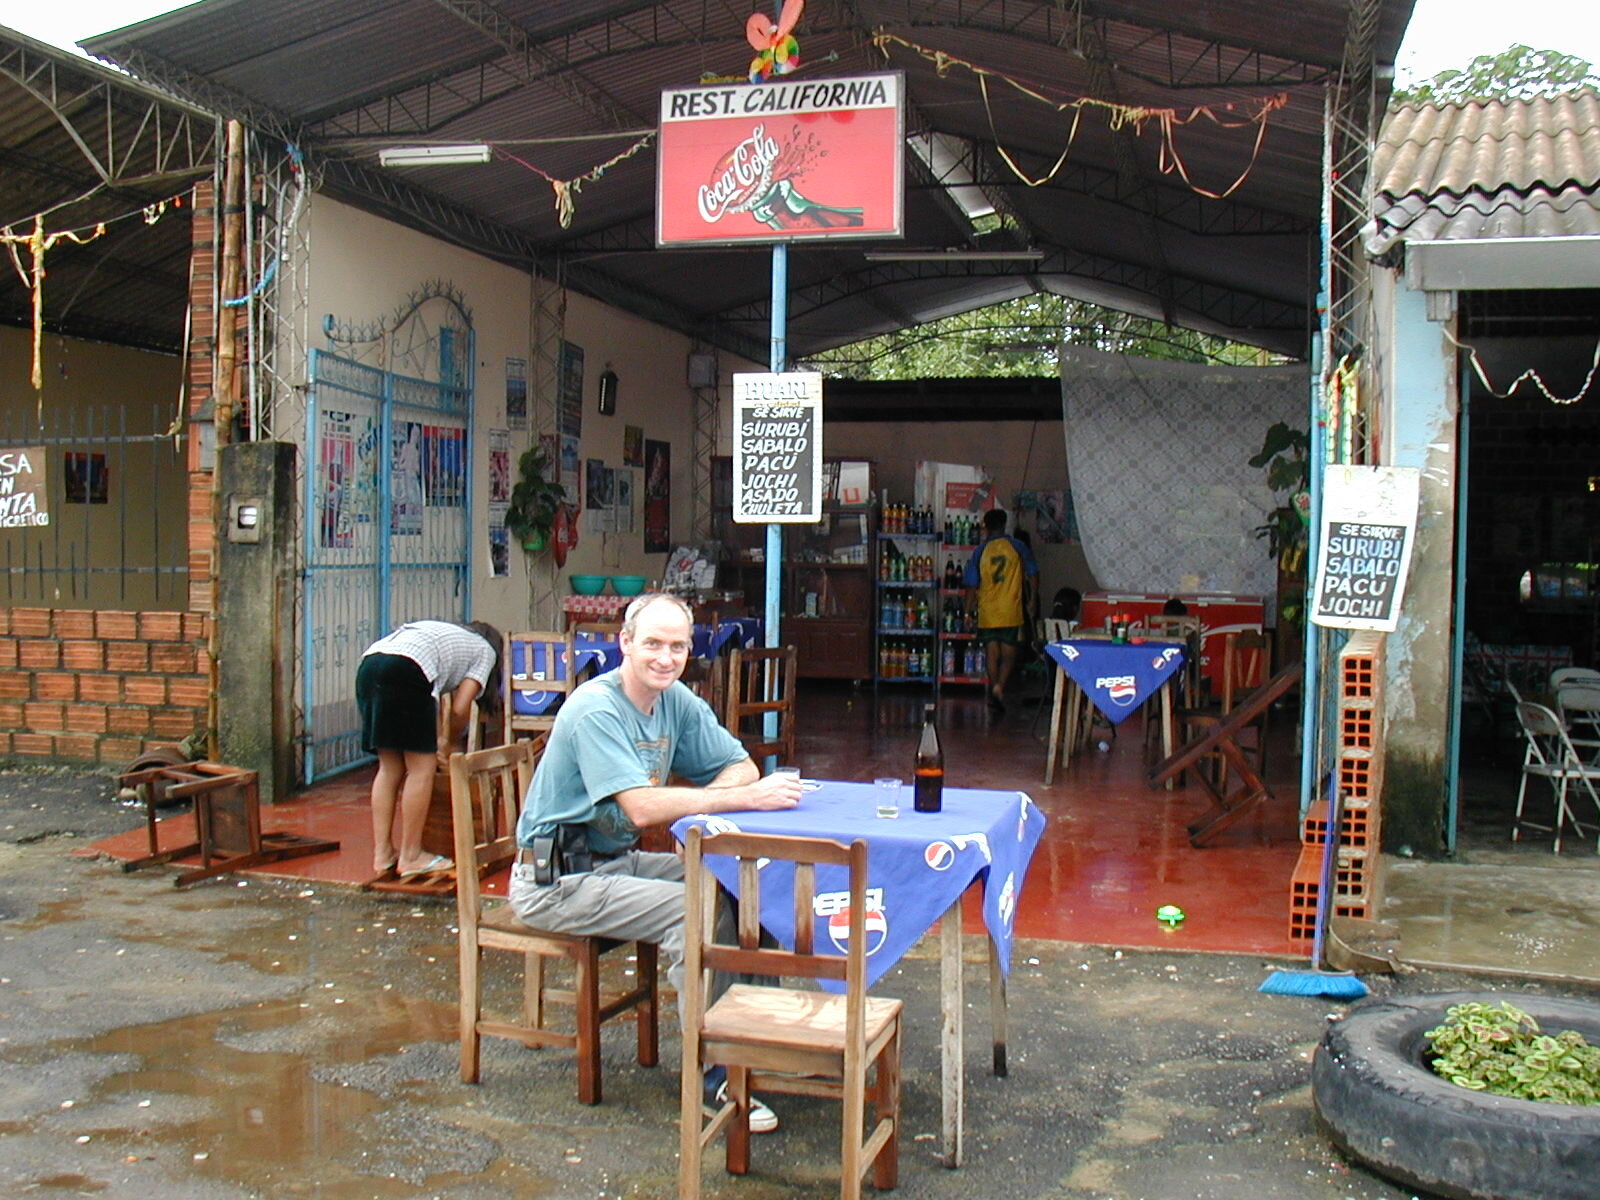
<point>1550,755</point>
<point>486,790</point>
<point>777,1039</point>
<point>761,680</point>
<point>537,668</point>
<point>1578,704</point>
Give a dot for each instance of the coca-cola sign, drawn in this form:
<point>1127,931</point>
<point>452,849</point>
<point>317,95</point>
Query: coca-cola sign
<point>781,161</point>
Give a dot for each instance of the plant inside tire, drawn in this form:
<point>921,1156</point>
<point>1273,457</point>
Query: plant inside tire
<point>1382,1104</point>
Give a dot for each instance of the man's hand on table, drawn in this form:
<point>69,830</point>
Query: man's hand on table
<point>773,792</point>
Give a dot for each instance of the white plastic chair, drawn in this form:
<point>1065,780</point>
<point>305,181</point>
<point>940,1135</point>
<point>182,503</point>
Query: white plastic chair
<point>1550,755</point>
<point>1562,676</point>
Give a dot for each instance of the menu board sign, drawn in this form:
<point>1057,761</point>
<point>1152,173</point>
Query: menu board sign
<point>777,447</point>
<point>1369,522</point>
<point>24,500</point>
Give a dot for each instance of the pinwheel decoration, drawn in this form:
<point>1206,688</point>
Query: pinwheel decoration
<point>777,53</point>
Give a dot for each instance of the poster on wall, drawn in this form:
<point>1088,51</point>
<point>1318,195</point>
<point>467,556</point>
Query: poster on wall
<point>632,446</point>
<point>622,493</point>
<point>1369,523</point>
<point>499,549</point>
<point>597,496</point>
<point>791,160</point>
<point>1053,517</point>
<point>569,392</point>
<point>405,478</point>
<point>336,467</point>
<point>24,501</point>
<point>566,463</point>
<point>499,465</point>
<point>657,496</point>
<point>444,465</point>
<point>517,393</point>
<point>777,447</point>
<point>86,478</point>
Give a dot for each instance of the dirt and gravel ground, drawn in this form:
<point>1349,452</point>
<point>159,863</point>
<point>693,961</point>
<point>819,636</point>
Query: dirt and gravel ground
<point>248,1038</point>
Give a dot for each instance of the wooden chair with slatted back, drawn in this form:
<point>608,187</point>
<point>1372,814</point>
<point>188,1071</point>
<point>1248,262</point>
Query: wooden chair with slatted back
<point>777,1039</point>
<point>761,680</point>
<point>537,670</point>
<point>486,790</point>
<point>1245,662</point>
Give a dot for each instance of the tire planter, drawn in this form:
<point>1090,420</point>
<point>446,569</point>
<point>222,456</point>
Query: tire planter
<point>1381,1104</point>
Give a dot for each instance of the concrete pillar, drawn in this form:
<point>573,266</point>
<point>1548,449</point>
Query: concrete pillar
<point>1421,432</point>
<point>255,613</point>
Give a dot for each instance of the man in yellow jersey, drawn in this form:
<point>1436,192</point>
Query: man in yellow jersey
<point>1002,573</point>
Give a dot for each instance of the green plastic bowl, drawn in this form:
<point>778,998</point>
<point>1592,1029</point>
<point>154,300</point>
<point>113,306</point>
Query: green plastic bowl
<point>588,585</point>
<point>627,585</point>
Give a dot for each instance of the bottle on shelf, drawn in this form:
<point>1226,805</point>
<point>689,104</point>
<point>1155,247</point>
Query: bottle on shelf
<point>928,771</point>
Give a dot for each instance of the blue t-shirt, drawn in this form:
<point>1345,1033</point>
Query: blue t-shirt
<point>601,745</point>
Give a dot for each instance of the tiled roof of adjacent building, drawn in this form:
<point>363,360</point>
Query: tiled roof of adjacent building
<point>1499,169</point>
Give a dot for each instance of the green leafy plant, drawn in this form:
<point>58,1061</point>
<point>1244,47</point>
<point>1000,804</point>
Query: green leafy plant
<point>1501,1049</point>
<point>534,501</point>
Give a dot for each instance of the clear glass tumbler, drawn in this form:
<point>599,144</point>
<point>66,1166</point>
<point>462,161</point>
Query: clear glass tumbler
<point>888,796</point>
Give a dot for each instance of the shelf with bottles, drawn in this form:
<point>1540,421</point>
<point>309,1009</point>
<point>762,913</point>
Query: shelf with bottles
<point>961,660</point>
<point>906,657</point>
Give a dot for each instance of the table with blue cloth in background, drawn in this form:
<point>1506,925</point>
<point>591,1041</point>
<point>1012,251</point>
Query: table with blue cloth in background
<point>1118,678</point>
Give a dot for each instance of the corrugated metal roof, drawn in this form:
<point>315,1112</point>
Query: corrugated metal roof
<point>1117,223</point>
<point>1502,169</point>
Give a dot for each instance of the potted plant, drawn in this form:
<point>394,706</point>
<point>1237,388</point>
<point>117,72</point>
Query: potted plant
<point>1285,453</point>
<point>534,501</point>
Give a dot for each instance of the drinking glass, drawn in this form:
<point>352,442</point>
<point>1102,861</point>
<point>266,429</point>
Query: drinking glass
<point>888,796</point>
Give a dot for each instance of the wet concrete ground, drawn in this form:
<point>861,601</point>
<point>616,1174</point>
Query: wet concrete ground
<point>259,1039</point>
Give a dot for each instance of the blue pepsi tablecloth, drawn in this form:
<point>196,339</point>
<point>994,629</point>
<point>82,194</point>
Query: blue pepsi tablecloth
<point>1117,676</point>
<point>918,864</point>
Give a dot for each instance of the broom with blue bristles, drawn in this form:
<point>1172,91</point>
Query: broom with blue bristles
<point>1339,985</point>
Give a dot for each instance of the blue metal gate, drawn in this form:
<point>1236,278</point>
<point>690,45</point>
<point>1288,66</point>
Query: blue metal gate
<point>387,515</point>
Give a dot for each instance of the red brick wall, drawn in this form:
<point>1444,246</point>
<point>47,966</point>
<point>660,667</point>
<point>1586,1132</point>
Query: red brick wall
<point>99,687</point>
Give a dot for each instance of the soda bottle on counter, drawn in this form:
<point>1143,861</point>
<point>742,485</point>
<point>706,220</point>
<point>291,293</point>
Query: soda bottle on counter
<point>928,796</point>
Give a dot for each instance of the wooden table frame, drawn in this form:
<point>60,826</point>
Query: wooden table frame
<point>1074,702</point>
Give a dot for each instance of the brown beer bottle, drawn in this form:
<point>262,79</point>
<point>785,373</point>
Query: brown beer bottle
<point>929,771</point>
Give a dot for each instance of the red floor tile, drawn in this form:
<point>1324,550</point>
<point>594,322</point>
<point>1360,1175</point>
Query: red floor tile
<point>1114,849</point>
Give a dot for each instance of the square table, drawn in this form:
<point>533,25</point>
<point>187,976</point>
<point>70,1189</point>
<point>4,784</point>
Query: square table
<point>1118,678</point>
<point>918,867</point>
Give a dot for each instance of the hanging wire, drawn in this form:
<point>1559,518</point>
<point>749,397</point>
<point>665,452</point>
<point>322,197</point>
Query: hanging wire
<point>566,190</point>
<point>1531,374</point>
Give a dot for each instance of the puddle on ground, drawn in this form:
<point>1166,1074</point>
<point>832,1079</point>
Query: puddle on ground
<point>279,1122</point>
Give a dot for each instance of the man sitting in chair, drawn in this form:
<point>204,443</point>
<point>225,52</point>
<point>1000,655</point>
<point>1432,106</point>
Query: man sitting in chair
<point>603,778</point>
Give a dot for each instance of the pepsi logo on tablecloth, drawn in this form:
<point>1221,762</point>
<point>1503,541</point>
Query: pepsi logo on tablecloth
<point>1119,689</point>
<point>875,926</point>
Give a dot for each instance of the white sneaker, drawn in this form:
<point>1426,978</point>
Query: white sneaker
<point>762,1118</point>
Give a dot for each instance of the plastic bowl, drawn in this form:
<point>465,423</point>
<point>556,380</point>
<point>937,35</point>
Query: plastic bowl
<point>627,585</point>
<point>588,585</point>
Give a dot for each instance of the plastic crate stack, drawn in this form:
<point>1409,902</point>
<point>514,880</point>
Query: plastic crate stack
<point>1359,764</point>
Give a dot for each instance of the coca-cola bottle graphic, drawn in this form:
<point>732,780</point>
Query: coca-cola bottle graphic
<point>784,208</point>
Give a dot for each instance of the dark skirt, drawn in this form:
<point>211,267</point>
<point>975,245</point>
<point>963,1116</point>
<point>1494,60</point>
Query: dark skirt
<point>398,711</point>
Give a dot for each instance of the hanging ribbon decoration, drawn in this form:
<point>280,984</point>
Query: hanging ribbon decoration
<point>1120,115</point>
<point>566,190</point>
<point>38,243</point>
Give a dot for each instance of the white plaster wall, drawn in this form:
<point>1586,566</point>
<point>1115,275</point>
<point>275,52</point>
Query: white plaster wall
<point>363,267</point>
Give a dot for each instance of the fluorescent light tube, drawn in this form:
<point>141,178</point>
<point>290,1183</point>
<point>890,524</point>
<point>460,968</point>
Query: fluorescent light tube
<point>433,156</point>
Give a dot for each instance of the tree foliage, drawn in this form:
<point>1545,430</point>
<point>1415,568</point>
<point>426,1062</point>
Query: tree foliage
<point>1518,73</point>
<point>1020,338</point>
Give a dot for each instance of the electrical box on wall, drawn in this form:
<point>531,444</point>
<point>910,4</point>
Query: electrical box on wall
<point>702,371</point>
<point>245,516</point>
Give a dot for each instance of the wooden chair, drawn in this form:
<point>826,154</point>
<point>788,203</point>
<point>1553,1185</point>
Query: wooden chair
<point>1191,631</point>
<point>761,680</point>
<point>486,790</point>
<point>537,669</point>
<point>1244,671</point>
<point>776,1039</point>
